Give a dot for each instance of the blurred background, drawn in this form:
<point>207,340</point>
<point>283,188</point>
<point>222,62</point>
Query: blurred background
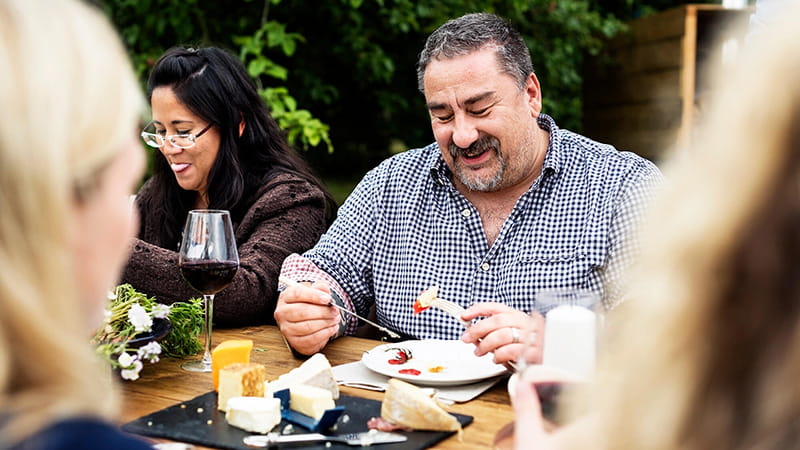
<point>340,77</point>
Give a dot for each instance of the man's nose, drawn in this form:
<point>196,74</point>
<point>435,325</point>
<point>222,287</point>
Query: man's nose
<point>464,132</point>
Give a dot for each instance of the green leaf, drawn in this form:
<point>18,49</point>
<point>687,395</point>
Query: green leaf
<point>257,67</point>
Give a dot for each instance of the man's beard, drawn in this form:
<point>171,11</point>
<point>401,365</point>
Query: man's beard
<point>484,143</point>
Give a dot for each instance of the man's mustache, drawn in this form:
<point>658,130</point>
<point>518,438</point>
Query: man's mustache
<point>482,144</point>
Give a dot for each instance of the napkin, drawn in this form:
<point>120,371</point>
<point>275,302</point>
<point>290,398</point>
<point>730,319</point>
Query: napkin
<point>357,375</point>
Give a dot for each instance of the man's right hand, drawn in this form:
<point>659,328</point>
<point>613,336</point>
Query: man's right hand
<point>305,317</point>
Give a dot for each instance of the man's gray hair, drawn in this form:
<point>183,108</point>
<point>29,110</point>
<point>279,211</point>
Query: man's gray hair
<point>473,32</point>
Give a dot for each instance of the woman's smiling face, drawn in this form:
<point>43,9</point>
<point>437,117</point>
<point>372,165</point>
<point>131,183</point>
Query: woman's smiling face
<point>191,166</point>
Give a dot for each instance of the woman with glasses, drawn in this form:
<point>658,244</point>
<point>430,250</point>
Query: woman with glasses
<point>70,157</point>
<point>217,147</point>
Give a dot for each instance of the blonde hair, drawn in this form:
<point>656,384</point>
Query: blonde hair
<point>69,101</point>
<point>707,352</point>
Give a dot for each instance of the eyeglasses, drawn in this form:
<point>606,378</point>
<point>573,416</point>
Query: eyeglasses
<point>178,140</point>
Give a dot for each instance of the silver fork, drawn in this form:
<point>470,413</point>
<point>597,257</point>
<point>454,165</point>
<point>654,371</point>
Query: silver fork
<point>453,309</point>
<point>456,310</point>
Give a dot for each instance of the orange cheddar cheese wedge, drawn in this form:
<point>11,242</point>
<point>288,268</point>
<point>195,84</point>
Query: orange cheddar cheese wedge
<point>229,352</point>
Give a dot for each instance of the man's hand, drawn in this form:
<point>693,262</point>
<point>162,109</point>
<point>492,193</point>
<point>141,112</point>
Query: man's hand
<point>305,317</point>
<point>504,332</point>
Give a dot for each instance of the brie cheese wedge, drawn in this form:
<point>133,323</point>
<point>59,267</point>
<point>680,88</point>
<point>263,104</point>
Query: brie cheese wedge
<point>255,414</point>
<point>411,407</point>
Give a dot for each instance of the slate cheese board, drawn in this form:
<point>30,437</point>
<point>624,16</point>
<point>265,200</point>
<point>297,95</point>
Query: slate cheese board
<point>197,421</point>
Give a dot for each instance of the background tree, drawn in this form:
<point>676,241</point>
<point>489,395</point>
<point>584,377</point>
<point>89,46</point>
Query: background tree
<point>341,73</point>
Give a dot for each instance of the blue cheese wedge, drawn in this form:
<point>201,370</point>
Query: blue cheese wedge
<point>255,414</point>
<point>315,371</point>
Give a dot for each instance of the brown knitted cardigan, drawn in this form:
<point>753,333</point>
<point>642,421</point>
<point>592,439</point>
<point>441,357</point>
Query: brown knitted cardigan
<point>287,217</point>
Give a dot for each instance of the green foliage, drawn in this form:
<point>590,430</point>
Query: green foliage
<point>149,27</point>
<point>358,69</point>
<point>187,319</point>
<point>302,128</point>
<point>343,71</point>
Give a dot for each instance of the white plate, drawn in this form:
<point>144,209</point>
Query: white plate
<point>457,360</point>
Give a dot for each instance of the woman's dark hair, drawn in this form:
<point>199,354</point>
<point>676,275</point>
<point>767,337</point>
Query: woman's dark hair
<point>214,85</point>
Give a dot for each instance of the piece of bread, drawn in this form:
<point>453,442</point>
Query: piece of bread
<point>411,407</point>
<point>240,380</point>
<point>256,414</point>
<point>315,371</point>
<point>425,299</point>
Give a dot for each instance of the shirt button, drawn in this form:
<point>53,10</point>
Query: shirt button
<point>485,267</point>
<point>466,212</point>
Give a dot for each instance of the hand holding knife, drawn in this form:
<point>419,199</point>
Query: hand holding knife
<point>290,282</point>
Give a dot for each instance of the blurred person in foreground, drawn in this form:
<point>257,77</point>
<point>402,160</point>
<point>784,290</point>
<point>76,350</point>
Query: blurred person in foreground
<point>217,147</point>
<point>504,205</point>
<point>70,157</point>
<point>707,352</point>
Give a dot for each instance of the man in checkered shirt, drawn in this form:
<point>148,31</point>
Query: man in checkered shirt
<point>501,208</point>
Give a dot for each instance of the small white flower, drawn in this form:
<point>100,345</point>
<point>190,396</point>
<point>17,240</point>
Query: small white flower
<point>161,311</point>
<point>139,318</point>
<point>112,295</point>
<point>132,373</point>
<point>150,352</point>
<point>126,360</point>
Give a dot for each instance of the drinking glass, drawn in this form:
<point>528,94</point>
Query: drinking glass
<point>208,261</point>
<point>570,337</point>
<point>570,341</point>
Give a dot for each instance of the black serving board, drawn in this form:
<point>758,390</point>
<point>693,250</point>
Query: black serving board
<point>197,421</point>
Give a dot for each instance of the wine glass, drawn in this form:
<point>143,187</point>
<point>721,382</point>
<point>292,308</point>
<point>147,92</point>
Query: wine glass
<point>208,261</point>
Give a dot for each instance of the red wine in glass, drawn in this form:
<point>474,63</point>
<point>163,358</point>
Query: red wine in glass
<point>208,261</point>
<point>209,277</point>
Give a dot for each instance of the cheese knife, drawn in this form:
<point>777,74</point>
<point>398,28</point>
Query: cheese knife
<point>365,438</point>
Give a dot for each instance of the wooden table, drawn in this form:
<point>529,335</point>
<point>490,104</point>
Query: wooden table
<point>165,384</point>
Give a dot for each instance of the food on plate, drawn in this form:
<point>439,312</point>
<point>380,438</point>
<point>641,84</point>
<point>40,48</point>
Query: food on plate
<point>407,406</point>
<point>310,400</point>
<point>229,352</point>
<point>425,299</point>
<point>437,369</point>
<point>256,414</point>
<point>409,372</point>
<point>401,355</point>
<point>315,371</point>
<point>240,380</point>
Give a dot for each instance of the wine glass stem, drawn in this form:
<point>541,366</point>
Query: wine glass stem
<point>208,302</point>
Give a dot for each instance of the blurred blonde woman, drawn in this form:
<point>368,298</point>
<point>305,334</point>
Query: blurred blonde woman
<point>69,157</point>
<point>708,355</point>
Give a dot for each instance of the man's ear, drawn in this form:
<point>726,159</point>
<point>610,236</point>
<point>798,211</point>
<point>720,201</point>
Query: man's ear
<point>534,93</point>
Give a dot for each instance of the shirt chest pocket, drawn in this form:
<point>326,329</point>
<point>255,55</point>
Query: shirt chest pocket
<point>539,267</point>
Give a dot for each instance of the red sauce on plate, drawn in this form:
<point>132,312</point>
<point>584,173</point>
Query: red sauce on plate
<point>409,372</point>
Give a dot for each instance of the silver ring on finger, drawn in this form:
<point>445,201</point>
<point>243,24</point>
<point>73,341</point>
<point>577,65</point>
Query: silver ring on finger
<point>514,335</point>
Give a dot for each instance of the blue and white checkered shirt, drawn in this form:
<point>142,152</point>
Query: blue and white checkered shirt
<point>405,228</point>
